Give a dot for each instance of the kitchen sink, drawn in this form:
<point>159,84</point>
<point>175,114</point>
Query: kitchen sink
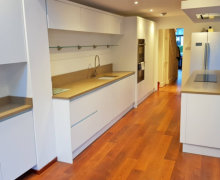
<point>59,90</point>
<point>106,77</point>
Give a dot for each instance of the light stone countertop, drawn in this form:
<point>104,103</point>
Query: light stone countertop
<point>81,87</point>
<point>202,87</point>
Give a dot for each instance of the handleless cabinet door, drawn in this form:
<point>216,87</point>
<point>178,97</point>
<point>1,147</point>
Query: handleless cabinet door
<point>113,24</point>
<point>203,120</point>
<point>92,21</point>
<point>63,15</point>
<point>12,34</point>
<point>17,152</point>
<point>99,22</point>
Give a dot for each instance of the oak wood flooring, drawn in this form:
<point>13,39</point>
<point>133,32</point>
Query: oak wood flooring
<point>143,145</point>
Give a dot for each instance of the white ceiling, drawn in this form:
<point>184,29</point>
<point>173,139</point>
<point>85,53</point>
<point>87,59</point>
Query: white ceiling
<point>127,7</point>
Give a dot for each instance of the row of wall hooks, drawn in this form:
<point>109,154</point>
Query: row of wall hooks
<point>80,47</point>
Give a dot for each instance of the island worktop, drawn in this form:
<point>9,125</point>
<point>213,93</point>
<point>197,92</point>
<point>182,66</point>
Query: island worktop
<point>202,87</point>
<point>80,87</point>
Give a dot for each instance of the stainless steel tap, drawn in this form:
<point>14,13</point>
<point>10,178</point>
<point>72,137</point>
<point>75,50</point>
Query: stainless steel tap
<point>96,66</point>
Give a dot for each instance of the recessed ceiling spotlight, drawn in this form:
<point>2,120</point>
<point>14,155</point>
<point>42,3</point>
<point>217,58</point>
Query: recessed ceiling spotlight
<point>135,2</point>
<point>151,10</point>
<point>163,14</point>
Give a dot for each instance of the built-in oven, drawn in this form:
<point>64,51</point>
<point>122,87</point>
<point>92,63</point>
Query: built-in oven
<point>141,60</point>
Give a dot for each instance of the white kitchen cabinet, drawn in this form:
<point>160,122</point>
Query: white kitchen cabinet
<point>12,33</point>
<point>200,124</point>
<point>113,24</point>
<point>101,22</point>
<point>80,121</point>
<point>203,120</point>
<point>17,152</point>
<point>66,15</point>
<point>92,21</point>
<point>85,129</point>
<point>63,15</point>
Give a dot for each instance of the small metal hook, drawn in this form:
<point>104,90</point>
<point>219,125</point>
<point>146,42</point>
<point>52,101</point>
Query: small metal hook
<point>59,48</point>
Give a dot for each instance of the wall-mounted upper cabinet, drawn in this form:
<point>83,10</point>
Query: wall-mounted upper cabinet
<point>92,21</point>
<point>113,24</point>
<point>12,33</point>
<point>66,15</point>
<point>63,15</point>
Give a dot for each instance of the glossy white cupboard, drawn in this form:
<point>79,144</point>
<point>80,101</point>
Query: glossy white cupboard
<point>63,15</point>
<point>17,152</point>
<point>80,121</point>
<point>200,122</point>
<point>12,33</point>
<point>66,15</point>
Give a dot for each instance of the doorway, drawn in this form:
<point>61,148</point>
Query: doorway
<point>170,52</point>
<point>179,42</point>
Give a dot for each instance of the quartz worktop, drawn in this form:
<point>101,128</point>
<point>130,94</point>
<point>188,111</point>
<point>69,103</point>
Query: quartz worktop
<point>10,106</point>
<point>81,87</point>
<point>202,87</point>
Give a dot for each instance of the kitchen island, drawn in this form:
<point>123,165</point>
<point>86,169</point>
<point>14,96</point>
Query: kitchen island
<point>200,114</point>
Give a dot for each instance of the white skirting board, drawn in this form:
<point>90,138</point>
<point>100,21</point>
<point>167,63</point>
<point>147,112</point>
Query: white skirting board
<point>99,133</point>
<point>146,96</point>
<point>201,150</point>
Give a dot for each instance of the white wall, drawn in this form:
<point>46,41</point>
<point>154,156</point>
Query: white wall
<point>39,60</point>
<point>126,54</point>
<point>189,27</point>
<point>71,59</point>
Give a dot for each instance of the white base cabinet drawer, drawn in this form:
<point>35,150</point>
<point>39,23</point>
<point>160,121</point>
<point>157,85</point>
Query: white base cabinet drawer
<point>80,121</point>
<point>17,152</point>
<point>84,106</point>
<point>81,132</point>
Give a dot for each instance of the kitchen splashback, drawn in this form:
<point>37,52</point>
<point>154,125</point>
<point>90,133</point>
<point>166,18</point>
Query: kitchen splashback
<point>72,59</point>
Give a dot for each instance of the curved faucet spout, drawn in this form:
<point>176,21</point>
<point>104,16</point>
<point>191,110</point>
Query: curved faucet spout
<point>96,66</point>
